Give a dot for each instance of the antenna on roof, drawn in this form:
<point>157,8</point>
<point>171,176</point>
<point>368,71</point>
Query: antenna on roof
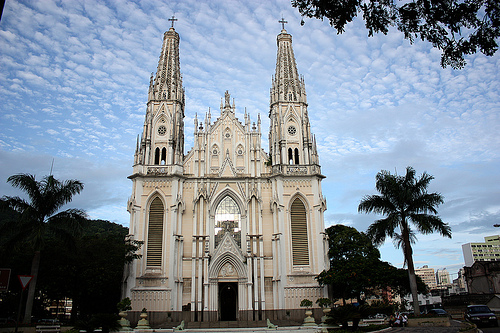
<point>51,167</point>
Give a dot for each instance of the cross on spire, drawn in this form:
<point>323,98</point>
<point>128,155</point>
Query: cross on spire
<point>173,19</point>
<point>282,21</point>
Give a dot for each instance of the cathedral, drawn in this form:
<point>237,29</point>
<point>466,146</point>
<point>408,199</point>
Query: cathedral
<point>231,232</point>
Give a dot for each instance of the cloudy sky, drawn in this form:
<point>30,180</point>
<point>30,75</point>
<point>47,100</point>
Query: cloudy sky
<point>74,77</point>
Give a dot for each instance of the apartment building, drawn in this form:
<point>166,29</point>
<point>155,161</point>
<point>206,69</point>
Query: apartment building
<point>427,275</point>
<point>489,250</point>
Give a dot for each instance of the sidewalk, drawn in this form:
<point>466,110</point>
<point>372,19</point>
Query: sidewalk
<point>454,328</point>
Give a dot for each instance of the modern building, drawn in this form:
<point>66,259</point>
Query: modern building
<point>230,232</point>
<point>427,275</point>
<point>443,278</point>
<point>489,250</point>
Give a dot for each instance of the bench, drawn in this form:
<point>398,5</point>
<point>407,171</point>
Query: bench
<point>48,329</point>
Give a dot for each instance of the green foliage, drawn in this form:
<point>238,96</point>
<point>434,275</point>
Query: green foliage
<point>106,321</point>
<point>354,263</point>
<point>306,303</point>
<point>38,218</point>
<point>356,268</point>
<point>381,306</point>
<point>404,199</point>
<point>124,305</point>
<point>455,27</point>
<point>88,270</point>
<point>324,302</point>
<point>344,314</point>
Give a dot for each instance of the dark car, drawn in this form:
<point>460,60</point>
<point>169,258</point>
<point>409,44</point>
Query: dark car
<point>438,312</point>
<point>480,315</point>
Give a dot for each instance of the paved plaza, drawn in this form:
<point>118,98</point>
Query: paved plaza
<point>454,328</point>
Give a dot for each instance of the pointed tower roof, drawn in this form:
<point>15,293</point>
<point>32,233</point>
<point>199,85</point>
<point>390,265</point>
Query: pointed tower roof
<point>287,85</point>
<point>168,80</point>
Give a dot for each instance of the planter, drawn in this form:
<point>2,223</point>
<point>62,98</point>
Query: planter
<point>309,321</point>
<point>143,323</point>
<point>326,313</point>
<point>124,323</point>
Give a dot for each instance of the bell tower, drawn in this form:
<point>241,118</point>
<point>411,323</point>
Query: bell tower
<point>162,141</point>
<point>290,139</point>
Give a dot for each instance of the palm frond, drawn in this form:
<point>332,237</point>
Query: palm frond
<point>380,229</point>
<point>398,239</point>
<point>46,197</point>
<point>376,204</point>
<point>16,203</point>
<point>428,224</point>
<point>70,220</point>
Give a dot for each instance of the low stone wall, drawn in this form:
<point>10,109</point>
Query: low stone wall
<point>429,321</point>
<point>173,318</point>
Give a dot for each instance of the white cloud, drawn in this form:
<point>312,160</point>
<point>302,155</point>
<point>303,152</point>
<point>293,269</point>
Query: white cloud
<point>74,85</point>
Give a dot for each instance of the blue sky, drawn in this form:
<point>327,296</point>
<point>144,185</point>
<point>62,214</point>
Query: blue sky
<point>74,77</point>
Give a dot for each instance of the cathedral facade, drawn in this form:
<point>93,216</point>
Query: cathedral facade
<point>230,232</point>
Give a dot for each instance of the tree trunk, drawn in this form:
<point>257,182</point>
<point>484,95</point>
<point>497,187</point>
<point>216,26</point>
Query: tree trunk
<point>413,279</point>
<point>35,264</point>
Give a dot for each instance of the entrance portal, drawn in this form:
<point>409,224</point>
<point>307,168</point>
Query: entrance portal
<point>228,300</point>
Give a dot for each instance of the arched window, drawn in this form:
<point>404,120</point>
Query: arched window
<point>163,156</point>
<point>296,156</point>
<point>227,217</point>
<point>290,156</point>
<point>157,155</point>
<point>300,247</point>
<point>155,233</point>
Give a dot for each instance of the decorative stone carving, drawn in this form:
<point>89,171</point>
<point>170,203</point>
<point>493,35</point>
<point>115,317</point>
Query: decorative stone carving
<point>227,271</point>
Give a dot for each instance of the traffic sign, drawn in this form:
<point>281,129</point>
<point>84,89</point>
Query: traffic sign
<point>25,280</point>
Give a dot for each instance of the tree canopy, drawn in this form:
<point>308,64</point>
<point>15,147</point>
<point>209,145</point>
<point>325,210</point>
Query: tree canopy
<point>80,272</point>
<point>83,260</point>
<point>39,216</point>
<point>404,200</point>
<point>356,268</point>
<point>456,27</point>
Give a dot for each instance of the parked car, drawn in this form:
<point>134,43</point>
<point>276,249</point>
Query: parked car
<point>7,321</point>
<point>480,315</point>
<point>438,312</point>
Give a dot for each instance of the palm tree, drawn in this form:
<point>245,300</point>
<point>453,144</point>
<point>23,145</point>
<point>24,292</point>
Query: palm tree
<point>404,199</point>
<point>39,215</point>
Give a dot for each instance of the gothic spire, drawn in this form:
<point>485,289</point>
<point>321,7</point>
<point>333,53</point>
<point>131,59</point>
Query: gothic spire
<point>290,137</point>
<point>287,85</point>
<point>168,79</point>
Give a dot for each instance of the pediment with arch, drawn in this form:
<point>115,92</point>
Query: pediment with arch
<point>227,260</point>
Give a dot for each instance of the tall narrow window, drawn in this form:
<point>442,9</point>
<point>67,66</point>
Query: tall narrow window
<point>290,156</point>
<point>155,233</point>
<point>157,155</point>
<point>227,218</point>
<point>163,156</point>
<point>296,156</point>
<point>300,248</point>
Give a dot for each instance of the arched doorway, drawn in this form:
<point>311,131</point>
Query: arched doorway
<point>228,301</point>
